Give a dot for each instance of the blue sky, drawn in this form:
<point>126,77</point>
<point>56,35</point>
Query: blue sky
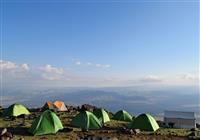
<point>109,39</point>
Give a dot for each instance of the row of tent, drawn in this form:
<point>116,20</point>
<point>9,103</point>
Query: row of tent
<point>48,122</point>
<point>18,109</point>
<point>88,120</point>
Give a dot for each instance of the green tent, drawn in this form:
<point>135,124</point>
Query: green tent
<point>16,110</point>
<point>102,115</point>
<point>144,122</point>
<point>47,123</point>
<point>122,115</point>
<point>86,120</point>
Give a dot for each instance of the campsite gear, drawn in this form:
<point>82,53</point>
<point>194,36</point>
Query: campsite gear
<point>102,115</point>
<point>16,110</point>
<point>122,115</point>
<point>59,106</point>
<point>47,123</point>
<point>48,105</point>
<point>86,120</point>
<point>144,122</point>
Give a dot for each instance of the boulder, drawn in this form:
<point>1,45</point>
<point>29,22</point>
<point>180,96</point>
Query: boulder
<point>87,107</point>
<point>136,131</point>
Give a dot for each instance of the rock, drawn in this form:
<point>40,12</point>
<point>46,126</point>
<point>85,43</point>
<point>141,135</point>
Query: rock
<point>72,109</point>
<point>87,107</point>
<point>3,131</point>
<point>136,131</point>
<point>131,132</point>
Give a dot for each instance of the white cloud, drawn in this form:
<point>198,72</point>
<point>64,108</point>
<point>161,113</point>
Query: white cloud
<point>7,65</point>
<point>102,66</point>
<point>78,63</point>
<point>49,69</point>
<point>151,78</point>
<point>25,67</point>
<point>11,66</point>
<point>187,76</point>
<point>14,73</point>
<point>51,73</point>
<point>97,65</point>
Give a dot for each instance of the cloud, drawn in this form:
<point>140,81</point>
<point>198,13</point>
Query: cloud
<point>14,73</point>
<point>151,78</point>
<point>90,64</point>
<point>102,66</point>
<point>95,65</point>
<point>25,67</point>
<point>7,65</point>
<point>50,69</point>
<point>51,73</point>
<point>78,63</point>
<point>187,76</point>
<point>24,73</point>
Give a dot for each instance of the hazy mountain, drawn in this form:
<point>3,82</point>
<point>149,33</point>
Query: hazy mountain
<point>134,100</point>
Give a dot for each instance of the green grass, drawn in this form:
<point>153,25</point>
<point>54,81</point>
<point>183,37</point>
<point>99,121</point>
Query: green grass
<point>111,129</point>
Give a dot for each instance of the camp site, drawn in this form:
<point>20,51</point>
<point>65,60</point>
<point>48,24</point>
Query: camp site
<point>86,122</point>
<point>99,69</point>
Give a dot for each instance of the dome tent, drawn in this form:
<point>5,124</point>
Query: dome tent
<point>122,115</point>
<point>59,106</point>
<point>47,123</point>
<point>16,110</point>
<point>48,105</point>
<point>144,122</point>
<point>102,115</point>
<point>86,120</point>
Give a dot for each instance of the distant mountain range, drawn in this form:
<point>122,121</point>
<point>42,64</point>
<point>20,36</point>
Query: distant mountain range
<point>134,100</point>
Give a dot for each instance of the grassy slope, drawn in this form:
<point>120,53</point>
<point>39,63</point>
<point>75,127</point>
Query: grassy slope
<point>110,130</point>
